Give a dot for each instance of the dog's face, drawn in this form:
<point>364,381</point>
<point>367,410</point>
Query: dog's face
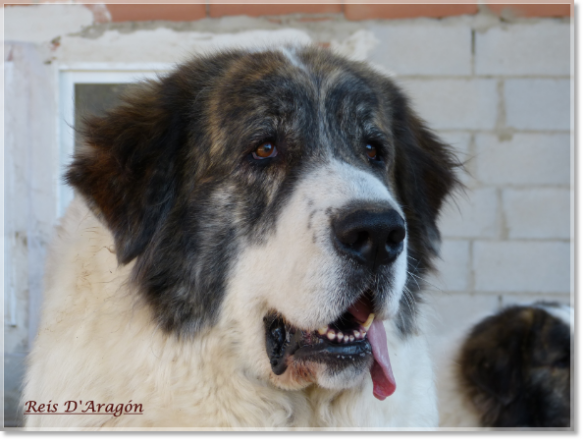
<point>292,188</point>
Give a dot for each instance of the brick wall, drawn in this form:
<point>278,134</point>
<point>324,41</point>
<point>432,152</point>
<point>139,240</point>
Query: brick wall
<point>348,10</point>
<point>505,102</point>
<point>493,80</point>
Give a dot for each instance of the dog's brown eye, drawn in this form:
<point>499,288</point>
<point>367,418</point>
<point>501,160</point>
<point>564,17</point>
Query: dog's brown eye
<point>371,152</point>
<point>265,150</point>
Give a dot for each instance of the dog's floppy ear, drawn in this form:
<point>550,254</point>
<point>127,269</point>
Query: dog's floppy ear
<point>126,171</point>
<point>425,173</point>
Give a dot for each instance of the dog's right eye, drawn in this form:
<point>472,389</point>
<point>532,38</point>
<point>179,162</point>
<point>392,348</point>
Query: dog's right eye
<point>265,150</point>
<point>371,151</point>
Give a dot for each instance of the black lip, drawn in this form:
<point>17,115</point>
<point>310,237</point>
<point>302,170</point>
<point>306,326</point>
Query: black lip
<point>330,350</point>
<point>284,341</point>
<point>281,342</point>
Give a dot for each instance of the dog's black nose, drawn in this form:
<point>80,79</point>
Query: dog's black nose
<point>370,235</point>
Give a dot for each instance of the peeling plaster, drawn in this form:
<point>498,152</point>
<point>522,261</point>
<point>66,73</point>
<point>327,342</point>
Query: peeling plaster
<point>164,45</point>
<point>357,46</point>
<point>43,23</point>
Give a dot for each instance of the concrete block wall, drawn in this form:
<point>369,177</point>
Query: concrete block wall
<point>493,80</point>
<point>504,102</point>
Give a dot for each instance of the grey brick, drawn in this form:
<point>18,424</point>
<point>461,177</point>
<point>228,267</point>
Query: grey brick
<point>472,215</point>
<point>524,49</point>
<point>526,159</point>
<point>519,266</point>
<point>460,142</point>
<point>515,299</point>
<point>451,104</point>
<point>537,213</point>
<point>456,312</point>
<point>423,48</point>
<point>538,104</point>
<point>452,267</point>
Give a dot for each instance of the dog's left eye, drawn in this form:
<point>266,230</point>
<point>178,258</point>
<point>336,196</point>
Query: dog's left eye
<point>265,150</point>
<point>372,152</point>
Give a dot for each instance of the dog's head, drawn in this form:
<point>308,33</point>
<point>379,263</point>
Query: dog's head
<point>291,193</point>
<point>515,367</point>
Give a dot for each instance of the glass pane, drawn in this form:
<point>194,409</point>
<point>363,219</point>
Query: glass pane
<point>95,99</point>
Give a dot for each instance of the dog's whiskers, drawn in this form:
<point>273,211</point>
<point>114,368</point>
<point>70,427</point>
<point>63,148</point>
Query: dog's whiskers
<point>426,281</point>
<point>409,299</point>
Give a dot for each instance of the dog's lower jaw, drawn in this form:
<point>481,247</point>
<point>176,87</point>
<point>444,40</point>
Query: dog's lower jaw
<point>300,375</point>
<point>296,376</point>
<point>239,324</point>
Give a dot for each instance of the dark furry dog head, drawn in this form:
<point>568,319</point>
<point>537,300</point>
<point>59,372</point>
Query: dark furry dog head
<point>516,367</point>
<point>293,183</point>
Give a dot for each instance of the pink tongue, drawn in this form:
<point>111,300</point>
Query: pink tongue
<point>381,371</point>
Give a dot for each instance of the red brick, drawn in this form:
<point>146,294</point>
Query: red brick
<point>518,10</point>
<point>140,12</point>
<point>372,12</point>
<point>315,19</point>
<point>219,10</point>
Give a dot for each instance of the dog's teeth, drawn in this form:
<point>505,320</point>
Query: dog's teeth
<point>351,338</point>
<point>346,339</point>
<point>356,333</point>
<point>362,335</point>
<point>339,336</point>
<point>323,330</point>
<point>369,321</point>
<point>331,335</point>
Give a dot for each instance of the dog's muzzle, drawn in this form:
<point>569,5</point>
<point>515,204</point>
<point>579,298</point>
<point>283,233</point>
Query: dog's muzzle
<point>372,236</point>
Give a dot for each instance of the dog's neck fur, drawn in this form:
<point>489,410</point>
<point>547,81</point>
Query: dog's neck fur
<point>198,382</point>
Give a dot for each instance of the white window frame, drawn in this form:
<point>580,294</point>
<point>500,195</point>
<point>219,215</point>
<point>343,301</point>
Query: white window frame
<point>89,73</point>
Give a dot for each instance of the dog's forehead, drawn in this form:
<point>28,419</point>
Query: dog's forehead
<point>319,100</point>
<point>272,79</point>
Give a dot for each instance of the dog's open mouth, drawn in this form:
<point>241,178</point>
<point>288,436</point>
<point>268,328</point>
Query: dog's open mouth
<point>353,339</point>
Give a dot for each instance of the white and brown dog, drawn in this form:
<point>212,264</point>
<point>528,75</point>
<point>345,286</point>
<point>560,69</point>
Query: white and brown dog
<point>244,251</point>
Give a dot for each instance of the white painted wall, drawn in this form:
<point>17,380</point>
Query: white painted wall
<point>30,159</point>
<point>499,92</point>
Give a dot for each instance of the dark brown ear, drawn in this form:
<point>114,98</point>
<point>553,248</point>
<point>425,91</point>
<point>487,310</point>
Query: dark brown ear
<point>127,170</point>
<point>425,174</point>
